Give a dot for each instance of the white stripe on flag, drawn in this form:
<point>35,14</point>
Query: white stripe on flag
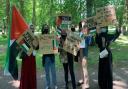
<point>25,46</point>
<point>11,42</point>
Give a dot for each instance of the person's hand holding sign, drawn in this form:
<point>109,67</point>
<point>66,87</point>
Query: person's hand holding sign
<point>98,29</point>
<point>35,42</point>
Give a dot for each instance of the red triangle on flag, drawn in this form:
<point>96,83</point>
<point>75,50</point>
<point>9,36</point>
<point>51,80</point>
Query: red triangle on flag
<point>18,24</point>
<point>58,21</point>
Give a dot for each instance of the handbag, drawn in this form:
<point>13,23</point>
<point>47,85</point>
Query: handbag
<point>104,53</point>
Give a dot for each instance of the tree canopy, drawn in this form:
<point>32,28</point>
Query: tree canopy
<point>39,12</point>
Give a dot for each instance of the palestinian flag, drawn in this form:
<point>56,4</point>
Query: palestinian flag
<point>17,27</point>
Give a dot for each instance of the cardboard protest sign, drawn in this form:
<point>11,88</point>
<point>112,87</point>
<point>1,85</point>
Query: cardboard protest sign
<point>91,22</point>
<point>63,22</point>
<point>106,16</point>
<point>25,42</point>
<point>71,42</point>
<point>48,44</point>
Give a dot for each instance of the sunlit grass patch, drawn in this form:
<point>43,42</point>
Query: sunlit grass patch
<point>122,40</point>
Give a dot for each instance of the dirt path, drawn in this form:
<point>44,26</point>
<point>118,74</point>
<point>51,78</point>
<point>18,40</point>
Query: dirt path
<point>120,77</point>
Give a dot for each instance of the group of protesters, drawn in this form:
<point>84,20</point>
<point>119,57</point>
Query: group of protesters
<point>103,40</point>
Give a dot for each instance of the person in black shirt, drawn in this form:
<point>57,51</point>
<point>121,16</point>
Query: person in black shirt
<point>67,60</point>
<point>103,40</point>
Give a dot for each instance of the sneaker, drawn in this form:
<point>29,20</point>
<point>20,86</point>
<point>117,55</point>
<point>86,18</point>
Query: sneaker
<point>66,86</point>
<point>47,87</point>
<point>56,87</point>
<point>80,83</point>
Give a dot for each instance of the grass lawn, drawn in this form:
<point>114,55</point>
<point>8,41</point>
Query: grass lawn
<point>119,50</point>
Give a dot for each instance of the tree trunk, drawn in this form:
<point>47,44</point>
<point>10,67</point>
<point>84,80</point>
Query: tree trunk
<point>126,14</point>
<point>51,12</point>
<point>89,5</point>
<point>34,13</point>
<point>7,14</point>
<point>22,8</point>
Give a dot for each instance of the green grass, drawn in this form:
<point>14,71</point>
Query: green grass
<point>3,39</point>
<point>119,50</point>
<point>3,45</point>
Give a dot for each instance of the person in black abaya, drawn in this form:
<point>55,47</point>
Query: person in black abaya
<point>103,40</point>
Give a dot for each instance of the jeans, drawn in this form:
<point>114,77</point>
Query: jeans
<point>50,70</point>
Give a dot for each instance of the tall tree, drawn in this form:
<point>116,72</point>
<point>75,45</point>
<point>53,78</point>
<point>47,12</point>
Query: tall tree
<point>34,13</point>
<point>89,5</point>
<point>120,10</point>
<point>7,12</point>
<point>22,7</point>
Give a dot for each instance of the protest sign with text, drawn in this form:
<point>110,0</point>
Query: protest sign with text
<point>106,16</point>
<point>26,42</point>
<point>91,22</point>
<point>48,44</point>
<point>71,42</point>
<point>64,22</point>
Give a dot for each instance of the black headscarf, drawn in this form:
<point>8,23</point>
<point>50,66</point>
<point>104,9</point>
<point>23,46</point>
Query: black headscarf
<point>45,29</point>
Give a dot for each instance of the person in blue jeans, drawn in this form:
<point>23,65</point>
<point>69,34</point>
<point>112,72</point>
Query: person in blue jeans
<point>49,65</point>
<point>48,61</point>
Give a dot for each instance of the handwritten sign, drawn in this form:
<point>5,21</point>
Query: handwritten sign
<point>64,22</point>
<point>25,42</point>
<point>106,16</point>
<point>47,44</point>
<point>71,42</point>
<point>91,22</point>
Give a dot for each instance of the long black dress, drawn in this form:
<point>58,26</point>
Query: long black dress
<point>105,78</point>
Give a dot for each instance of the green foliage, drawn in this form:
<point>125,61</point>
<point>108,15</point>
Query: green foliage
<point>2,11</point>
<point>47,10</point>
<point>120,8</point>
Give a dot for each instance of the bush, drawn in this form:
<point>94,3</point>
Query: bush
<point>4,36</point>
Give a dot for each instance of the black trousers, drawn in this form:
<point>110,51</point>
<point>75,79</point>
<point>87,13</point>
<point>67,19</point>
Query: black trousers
<point>69,67</point>
<point>105,78</point>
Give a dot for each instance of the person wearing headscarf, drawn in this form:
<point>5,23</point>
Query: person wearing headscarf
<point>28,70</point>
<point>103,40</point>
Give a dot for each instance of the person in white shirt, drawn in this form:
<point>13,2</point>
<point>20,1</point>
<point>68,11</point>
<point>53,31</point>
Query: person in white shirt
<point>83,53</point>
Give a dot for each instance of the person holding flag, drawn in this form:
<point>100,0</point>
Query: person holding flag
<point>28,71</point>
<point>16,29</point>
